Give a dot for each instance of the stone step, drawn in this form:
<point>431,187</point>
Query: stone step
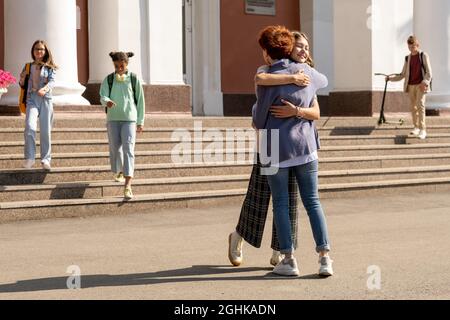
<point>67,208</point>
<point>379,130</point>
<point>144,203</point>
<point>98,119</point>
<point>99,189</point>
<point>109,188</point>
<point>12,134</point>
<point>142,158</point>
<point>241,141</point>
<point>384,161</point>
<point>94,173</point>
<point>383,139</point>
<point>12,161</point>
<point>381,174</point>
<point>16,134</point>
<point>79,109</point>
<point>101,145</point>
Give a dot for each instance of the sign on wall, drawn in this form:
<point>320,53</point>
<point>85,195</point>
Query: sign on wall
<point>261,7</point>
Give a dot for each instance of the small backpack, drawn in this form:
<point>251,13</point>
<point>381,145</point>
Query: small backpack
<point>133,85</point>
<point>423,68</point>
<point>24,89</point>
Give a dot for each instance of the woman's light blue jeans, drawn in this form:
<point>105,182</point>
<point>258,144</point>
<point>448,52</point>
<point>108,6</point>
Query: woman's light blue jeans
<point>122,139</point>
<point>42,108</point>
<point>307,179</point>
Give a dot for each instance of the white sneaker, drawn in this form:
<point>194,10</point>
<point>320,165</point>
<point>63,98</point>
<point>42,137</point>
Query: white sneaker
<point>326,268</point>
<point>28,164</point>
<point>287,267</point>
<point>415,132</point>
<point>422,134</point>
<point>119,177</point>
<point>46,165</point>
<point>235,242</point>
<point>276,258</point>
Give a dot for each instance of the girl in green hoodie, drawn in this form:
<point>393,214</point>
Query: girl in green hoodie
<point>123,96</point>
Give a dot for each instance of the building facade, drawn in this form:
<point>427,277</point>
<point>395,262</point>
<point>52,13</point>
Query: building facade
<point>199,56</point>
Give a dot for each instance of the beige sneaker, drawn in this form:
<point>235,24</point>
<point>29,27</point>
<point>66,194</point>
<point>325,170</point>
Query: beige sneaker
<point>235,242</point>
<point>276,258</point>
<point>28,164</point>
<point>119,177</point>
<point>287,267</point>
<point>326,266</point>
<point>128,194</point>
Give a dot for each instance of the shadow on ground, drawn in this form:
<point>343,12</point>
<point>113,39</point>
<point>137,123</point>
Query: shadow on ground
<point>191,274</point>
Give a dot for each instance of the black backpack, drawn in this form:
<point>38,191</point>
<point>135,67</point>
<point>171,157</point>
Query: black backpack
<point>133,85</point>
<point>423,68</point>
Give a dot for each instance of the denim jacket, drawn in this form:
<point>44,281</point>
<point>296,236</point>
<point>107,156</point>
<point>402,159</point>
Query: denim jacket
<point>47,77</point>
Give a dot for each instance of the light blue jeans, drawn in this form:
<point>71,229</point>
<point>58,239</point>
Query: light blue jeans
<point>307,179</point>
<point>42,108</point>
<point>122,139</point>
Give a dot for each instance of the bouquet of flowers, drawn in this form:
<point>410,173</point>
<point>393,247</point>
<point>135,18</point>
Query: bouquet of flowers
<point>6,79</point>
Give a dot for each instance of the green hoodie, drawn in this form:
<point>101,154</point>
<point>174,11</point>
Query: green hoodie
<point>122,95</point>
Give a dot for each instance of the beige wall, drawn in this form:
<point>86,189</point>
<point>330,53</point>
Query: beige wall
<point>241,54</point>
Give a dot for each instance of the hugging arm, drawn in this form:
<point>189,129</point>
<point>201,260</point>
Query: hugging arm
<point>269,79</point>
<point>290,110</point>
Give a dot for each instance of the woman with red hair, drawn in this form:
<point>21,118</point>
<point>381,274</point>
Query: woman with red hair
<point>298,143</point>
<point>253,215</point>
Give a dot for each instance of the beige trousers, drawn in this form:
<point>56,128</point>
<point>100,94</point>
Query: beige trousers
<point>417,100</point>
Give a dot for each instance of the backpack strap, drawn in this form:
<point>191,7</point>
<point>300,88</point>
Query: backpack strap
<point>110,80</point>
<point>133,85</point>
<point>424,70</point>
<point>27,70</point>
<point>421,62</point>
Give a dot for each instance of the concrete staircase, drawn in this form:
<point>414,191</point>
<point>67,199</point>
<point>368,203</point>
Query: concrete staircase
<point>357,159</point>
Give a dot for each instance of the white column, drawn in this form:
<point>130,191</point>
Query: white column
<point>207,86</point>
<point>369,36</point>
<point>323,40</point>
<point>116,25</point>
<point>392,24</point>
<point>352,46</point>
<point>55,22</point>
<point>165,38</point>
<point>432,28</point>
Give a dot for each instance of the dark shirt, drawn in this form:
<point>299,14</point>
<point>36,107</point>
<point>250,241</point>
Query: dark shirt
<point>415,70</point>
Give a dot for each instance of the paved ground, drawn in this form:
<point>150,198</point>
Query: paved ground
<point>182,255</point>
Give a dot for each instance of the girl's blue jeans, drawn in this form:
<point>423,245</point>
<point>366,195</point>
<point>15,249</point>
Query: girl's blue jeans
<point>122,139</point>
<point>38,108</point>
<point>307,179</point>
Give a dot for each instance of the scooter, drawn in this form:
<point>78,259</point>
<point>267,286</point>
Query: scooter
<point>382,119</point>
